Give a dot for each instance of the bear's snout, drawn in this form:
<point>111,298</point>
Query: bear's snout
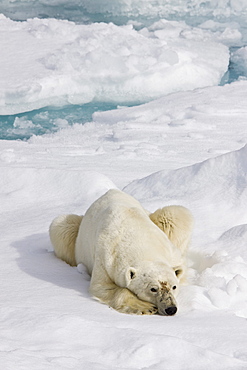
<point>171,310</point>
<point>168,311</point>
<point>166,302</point>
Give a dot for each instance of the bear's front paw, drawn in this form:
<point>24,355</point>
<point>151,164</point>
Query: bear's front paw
<point>151,310</point>
<point>142,308</point>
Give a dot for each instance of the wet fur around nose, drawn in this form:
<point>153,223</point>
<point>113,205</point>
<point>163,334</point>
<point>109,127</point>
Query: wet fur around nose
<point>165,299</point>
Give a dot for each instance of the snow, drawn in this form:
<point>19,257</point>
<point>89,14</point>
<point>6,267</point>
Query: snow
<point>48,318</point>
<point>225,174</point>
<point>185,144</point>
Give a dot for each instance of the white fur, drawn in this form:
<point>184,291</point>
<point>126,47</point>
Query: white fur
<point>134,267</point>
<point>63,234</point>
<point>177,222</point>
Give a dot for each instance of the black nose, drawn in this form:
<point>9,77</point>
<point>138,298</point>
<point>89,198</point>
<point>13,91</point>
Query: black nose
<point>171,310</point>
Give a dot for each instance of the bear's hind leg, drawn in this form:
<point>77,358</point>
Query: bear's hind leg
<point>176,222</point>
<point>63,233</point>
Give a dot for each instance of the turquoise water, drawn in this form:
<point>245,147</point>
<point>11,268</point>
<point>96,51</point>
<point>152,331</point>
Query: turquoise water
<point>47,120</point>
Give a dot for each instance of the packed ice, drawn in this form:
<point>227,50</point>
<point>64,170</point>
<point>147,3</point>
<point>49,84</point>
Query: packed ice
<point>62,63</point>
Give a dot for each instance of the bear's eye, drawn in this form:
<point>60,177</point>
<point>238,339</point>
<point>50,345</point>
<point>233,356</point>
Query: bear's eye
<point>154,290</point>
<point>174,287</point>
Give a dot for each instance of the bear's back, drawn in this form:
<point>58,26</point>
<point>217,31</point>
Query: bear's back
<point>117,229</point>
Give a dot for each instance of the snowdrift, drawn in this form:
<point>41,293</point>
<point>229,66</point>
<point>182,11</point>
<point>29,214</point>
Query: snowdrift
<point>41,186</point>
<point>214,190</point>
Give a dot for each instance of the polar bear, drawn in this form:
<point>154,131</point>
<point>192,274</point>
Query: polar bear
<point>134,266</point>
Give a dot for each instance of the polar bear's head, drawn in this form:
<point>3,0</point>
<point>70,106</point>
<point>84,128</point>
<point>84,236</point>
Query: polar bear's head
<point>156,283</point>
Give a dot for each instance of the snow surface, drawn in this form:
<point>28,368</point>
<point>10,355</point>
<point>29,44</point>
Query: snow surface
<point>187,146</point>
<point>48,319</point>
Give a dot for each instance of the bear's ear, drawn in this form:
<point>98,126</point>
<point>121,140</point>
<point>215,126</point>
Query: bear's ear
<point>178,272</point>
<point>130,274</point>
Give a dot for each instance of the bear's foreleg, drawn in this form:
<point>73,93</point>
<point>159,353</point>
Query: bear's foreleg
<point>121,299</point>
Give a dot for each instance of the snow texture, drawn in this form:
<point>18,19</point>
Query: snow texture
<point>48,318</point>
<point>185,145</point>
